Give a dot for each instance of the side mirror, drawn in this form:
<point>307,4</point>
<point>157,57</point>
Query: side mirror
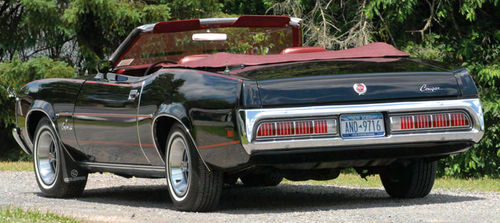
<point>104,66</point>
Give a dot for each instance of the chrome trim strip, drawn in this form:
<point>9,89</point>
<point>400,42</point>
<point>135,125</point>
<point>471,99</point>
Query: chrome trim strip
<point>296,22</point>
<point>137,122</point>
<point>125,44</point>
<point>160,169</point>
<point>147,27</point>
<point>217,21</point>
<point>15,133</point>
<point>248,118</point>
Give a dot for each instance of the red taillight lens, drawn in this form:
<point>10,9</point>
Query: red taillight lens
<point>320,126</point>
<point>297,128</point>
<point>429,121</point>
<point>303,127</point>
<point>267,129</point>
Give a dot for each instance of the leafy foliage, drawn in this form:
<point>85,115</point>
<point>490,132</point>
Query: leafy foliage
<point>13,75</point>
<point>25,22</point>
<point>185,9</point>
<point>245,7</point>
<point>16,73</point>
<point>99,26</point>
<point>484,158</point>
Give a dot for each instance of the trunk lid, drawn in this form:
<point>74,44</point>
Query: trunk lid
<point>332,82</point>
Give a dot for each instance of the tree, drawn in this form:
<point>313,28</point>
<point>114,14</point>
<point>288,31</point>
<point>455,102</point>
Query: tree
<point>99,26</point>
<point>329,24</point>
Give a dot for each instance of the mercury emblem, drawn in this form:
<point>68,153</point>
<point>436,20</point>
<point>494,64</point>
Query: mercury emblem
<point>359,88</point>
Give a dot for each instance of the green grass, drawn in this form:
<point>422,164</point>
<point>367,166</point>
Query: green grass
<point>10,214</point>
<point>482,184</point>
<point>16,166</point>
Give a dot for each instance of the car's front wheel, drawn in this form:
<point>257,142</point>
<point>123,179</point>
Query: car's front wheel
<point>48,164</point>
<point>191,185</point>
<point>414,180</point>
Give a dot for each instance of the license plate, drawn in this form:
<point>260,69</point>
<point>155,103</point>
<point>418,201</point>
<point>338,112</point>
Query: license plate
<point>362,125</point>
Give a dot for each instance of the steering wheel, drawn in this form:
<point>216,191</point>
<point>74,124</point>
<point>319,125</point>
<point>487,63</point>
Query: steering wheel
<point>156,63</point>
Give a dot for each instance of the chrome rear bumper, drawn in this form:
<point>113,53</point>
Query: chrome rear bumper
<point>248,119</point>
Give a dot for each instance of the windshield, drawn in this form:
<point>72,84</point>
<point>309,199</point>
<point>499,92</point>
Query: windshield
<point>151,47</point>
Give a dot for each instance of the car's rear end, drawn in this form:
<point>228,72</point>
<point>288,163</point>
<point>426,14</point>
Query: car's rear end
<point>307,112</point>
<point>309,120</point>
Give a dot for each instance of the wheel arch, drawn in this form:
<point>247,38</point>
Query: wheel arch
<point>162,124</point>
<point>39,110</point>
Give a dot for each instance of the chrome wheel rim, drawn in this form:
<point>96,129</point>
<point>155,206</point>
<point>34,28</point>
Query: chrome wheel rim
<point>47,157</point>
<point>179,165</point>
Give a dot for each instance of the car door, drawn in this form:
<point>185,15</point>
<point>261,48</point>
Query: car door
<point>105,119</point>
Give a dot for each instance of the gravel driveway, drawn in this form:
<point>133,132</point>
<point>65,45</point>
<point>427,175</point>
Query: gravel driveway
<point>110,198</point>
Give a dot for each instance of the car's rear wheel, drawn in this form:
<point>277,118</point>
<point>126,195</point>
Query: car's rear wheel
<point>261,180</point>
<point>47,162</point>
<point>191,185</point>
<point>414,180</point>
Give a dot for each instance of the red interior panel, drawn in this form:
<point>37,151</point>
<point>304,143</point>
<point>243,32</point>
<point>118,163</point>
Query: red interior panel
<point>303,49</point>
<point>192,58</point>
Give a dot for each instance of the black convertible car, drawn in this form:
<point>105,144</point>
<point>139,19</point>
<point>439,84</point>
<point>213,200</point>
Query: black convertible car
<point>206,102</point>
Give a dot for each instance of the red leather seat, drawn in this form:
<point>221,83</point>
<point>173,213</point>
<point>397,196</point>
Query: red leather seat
<point>303,49</point>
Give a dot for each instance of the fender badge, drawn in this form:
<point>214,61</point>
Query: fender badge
<point>426,89</point>
<point>74,173</point>
<point>359,88</point>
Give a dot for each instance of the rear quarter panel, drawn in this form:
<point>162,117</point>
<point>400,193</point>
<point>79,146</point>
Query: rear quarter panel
<point>205,103</point>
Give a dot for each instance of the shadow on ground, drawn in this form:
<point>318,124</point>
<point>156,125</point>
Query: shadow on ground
<point>286,198</point>
<point>283,198</point>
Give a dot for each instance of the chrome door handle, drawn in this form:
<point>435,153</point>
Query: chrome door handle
<point>132,95</point>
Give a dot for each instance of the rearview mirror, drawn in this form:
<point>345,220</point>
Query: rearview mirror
<point>209,37</point>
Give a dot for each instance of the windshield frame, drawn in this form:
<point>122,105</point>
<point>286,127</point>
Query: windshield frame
<point>201,24</point>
